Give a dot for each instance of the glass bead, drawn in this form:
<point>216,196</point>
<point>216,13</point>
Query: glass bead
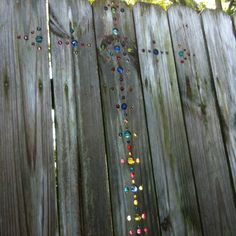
<point>140,188</point>
<point>132,174</point>
<point>122,10</point>
<point>137,217</point>
<point>126,189</point>
<point>129,147</point>
<point>134,189</point>
<point>39,39</point>
<point>131,161</point>
<point>115,31</point>
<point>131,232</point>
<point>124,106</point>
<point>120,70</point>
<point>39,28</point>
<point>74,43</point>
<point>76,52</point>
<point>137,160</point>
<point>89,45</point>
<point>122,161</point>
<point>155,52</point>
<point>39,48</point>
<point>120,134</point>
<point>133,181</point>
<point>117,106</point>
<point>144,216</point>
<point>113,10</point>
<point>145,230</point>
<point>131,169</point>
<point>181,53</point>
<point>129,218</point>
<point>59,42</point>
<point>26,37</point>
<point>139,231</point>
<point>130,50</point>
<point>117,49</point>
<point>127,134</point>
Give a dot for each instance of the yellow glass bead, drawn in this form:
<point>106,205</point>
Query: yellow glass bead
<point>135,135</point>
<point>130,49</point>
<point>129,218</point>
<point>137,217</point>
<point>135,202</point>
<point>140,188</point>
<point>131,161</point>
<point>135,196</point>
<point>130,153</point>
<point>133,181</point>
<point>137,160</point>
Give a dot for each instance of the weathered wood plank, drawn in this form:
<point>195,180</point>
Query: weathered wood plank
<point>221,45</point>
<point>203,128</point>
<point>174,180</point>
<point>116,43</point>
<point>234,21</point>
<point>82,169</point>
<point>27,188</point>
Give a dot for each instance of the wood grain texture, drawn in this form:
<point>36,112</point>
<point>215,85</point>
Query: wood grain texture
<point>203,128</point>
<point>221,44</point>
<point>234,21</point>
<point>84,200</point>
<point>27,188</point>
<point>174,180</point>
<point>113,91</point>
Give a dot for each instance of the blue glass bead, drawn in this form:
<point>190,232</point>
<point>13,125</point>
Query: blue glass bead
<point>134,189</point>
<point>74,43</point>
<point>39,39</point>
<point>127,134</point>
<point>123,106</point>
<point>120,70</point>
<point>117,49</point>
<point>155,52</point>
<point>131,169</point>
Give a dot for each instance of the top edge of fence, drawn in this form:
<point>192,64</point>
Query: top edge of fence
<point>159,7</point>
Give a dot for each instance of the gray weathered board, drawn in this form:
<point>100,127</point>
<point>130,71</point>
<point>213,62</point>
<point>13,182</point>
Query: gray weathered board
<point>27,185</point>
<point>122,203</point>
<point>203,127</point>
<point>171,159</point>
<point>182,113</point>
<point>221,45</point>
<point>83,191</point>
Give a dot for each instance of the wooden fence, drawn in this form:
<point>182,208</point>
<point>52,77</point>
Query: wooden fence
<point>179,81</point>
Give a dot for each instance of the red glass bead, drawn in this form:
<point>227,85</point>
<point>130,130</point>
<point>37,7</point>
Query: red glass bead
<point>132,174</point>
<point>129,147</point>
<point>144,216</point>
<point>131,232</point>
<point>145,230</point>
<point>139,231</point>
<point>122,161</point>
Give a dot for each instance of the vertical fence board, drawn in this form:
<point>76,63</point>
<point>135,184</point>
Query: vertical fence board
<point>171,160</point>
<point>203,129</point>
<point>113,90</point>
<point>221,45</point>
<point>82,170</point>
<point>27,189</point>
